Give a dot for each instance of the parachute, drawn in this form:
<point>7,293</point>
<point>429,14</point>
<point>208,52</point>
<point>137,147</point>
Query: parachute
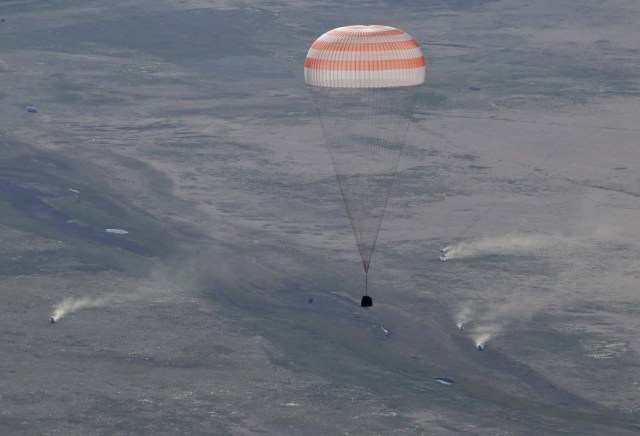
<point>365,80</point>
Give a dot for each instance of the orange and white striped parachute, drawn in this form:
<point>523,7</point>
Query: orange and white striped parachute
<point>364,57</point>
<point>365,81</point>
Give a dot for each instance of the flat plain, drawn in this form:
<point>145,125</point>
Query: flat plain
<point>187,124</point>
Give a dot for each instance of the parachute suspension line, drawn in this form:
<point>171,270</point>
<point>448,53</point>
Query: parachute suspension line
<point>366,283</point>
<point>365,130</point>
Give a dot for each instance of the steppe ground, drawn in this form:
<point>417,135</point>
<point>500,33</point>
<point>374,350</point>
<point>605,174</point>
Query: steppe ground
<point>187,124</point>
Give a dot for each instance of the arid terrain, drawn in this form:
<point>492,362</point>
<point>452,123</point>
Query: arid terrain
<point>229,302</point>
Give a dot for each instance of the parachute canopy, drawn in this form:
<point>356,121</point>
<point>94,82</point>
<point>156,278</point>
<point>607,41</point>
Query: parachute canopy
<point>365,81</point>
<point>364,57</point>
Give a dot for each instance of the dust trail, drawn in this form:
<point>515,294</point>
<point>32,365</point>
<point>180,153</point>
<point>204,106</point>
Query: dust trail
<point>490,320</point>
<point>71,305</point>
<point>74,304</point>
<point>486,326</point>
<point>514,243</point>
<point>464,315</point>
<point>171,283</point>
<point>484,333</point>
